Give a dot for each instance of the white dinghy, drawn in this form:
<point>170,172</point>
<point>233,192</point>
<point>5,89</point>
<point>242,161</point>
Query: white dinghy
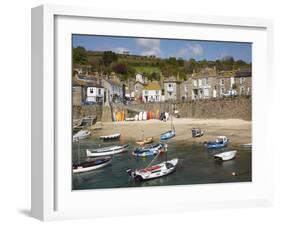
<point>225,156</point>
<point>111,137</point>
<point>112,150</point>
<point>82,134</point>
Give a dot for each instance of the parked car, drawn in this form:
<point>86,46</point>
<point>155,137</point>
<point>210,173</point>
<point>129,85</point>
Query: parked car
<point>230,93</point>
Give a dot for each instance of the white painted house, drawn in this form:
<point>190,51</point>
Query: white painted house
<point>151,93</point>
<point>94,93</point>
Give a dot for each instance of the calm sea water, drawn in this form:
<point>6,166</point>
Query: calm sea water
<point>196,166</point>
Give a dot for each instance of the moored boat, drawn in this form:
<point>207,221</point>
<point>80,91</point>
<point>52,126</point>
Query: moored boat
<point>82,134</point>
<point>225,156</point>
<point>112,150</point>
<point>149,150</point>
<point>197,132</point>
<point>111,136</point>
<point>155,171</point>
<point>249,145</point>
<point>144,141</point>
<point>94,164</point>
<point>168,135</point>
<point>220,142</point>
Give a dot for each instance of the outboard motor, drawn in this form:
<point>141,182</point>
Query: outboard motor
<point>131,173</point>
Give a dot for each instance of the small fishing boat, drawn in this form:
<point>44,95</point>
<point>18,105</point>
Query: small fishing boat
<point>111,137</point>
<point>249,145</point>
<point>197,132</point>
<point>155,171</point>
<point>225,156</point>
<point>149,151</point>
<point>112,150</point>
<point>82,134</point>
<point>220,142</point>
<point>144,141</point>
<point>168,135</point>
<point>94,164</point>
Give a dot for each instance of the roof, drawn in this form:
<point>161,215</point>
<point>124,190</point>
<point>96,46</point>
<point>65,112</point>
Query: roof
<point>152,86</point>
<point>113,83</point>
<point>171,79</point>
<point>244,73</point>
<point>225,74</point>
<point>76,82</point>
<point>139,83</point>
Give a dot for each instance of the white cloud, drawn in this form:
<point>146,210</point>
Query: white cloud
<point>120,50</point>
<point>195,49</point>
<point>190,50</point>
<point>149,46</point>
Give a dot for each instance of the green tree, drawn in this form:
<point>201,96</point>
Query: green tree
<point>79,55</point>
<point>109,57</point>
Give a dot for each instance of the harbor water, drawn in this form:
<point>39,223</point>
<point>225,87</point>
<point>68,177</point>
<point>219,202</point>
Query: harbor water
<point>196,166</point>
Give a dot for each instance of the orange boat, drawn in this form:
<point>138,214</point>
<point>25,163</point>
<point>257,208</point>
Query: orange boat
<point>144,141</point>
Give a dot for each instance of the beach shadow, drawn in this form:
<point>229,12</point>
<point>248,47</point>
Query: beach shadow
<point>26,212</point>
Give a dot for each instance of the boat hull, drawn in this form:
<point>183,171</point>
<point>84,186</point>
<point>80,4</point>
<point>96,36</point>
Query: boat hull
<point>104,152</point>
<point>159,170</point>
<point>111,137</point>
<point>167,135</point>
<point>83,136</point>
<point>225,156</point>
<point>145,141</point>
<point>148,151</point>
<point>91,168</point>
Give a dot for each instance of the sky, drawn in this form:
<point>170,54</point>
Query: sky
<point>165,48</point>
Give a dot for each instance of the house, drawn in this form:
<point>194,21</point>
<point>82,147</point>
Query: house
<point>94,93</point>
<point>114,91</point>
<point>77,94</point>
<point>243,81</point>
<point>140,78</point>
<point>226,83</point>
<point>203,84</point>
<point>184,90</point>
<point>138,88</point>
<point>171,89</point>
<point>151,93</point>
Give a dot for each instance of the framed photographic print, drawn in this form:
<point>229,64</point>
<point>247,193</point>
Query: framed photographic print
<point>131,109</point>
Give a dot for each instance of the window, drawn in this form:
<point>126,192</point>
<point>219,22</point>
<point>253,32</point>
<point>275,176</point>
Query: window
<point>99,91</point>
<point>222,82</point>
<point>170,85</point>
<point>91,90</point>
<point>242,80</point>
<point>222,90</point>
<point>195,82</point>
<point>206,81</point>
<point>146,92</point>
<point>200,82</point>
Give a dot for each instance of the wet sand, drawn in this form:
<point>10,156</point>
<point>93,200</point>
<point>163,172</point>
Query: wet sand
<point>239,131</point>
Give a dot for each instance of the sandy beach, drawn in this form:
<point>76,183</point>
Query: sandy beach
<point>239,131</point>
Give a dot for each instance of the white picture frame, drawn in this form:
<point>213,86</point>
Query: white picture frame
<point>52,197</point>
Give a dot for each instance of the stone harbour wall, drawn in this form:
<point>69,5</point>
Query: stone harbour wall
<point>222,108</point>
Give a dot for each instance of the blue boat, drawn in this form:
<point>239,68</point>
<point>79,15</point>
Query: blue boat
<point>220,142</point>
<point>168,135</point>
<point>149,150</point>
